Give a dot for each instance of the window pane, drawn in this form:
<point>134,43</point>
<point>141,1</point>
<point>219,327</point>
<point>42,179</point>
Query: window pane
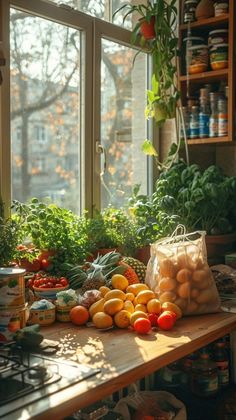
<point>45,109</point>
<point>102,9</point>
<point>123,125</point>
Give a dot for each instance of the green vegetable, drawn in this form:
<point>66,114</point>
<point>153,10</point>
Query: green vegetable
<point>29,336</point>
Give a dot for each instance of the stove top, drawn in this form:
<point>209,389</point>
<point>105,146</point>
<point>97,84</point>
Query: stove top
<point>33,377</point>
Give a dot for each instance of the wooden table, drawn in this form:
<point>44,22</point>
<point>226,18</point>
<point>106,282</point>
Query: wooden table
<point>123,357</point>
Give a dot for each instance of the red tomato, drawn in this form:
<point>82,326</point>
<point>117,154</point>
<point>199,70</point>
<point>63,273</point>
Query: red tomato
<point>153,319</point>
<point>45,263</point>
<point>50,285</point>
<point>166,320</point>
<point>42,280</point>
<point>63,282</point>
<point>43,286</point>
<point>36,283</point>
<point>142,325</point>
<point>58,285</point>
<point>30,283</point>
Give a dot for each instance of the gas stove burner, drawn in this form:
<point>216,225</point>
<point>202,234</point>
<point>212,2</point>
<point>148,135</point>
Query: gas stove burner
<point>40,373</point>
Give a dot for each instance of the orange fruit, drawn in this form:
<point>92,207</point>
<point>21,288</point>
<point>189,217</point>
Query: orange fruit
<point>79,315</point>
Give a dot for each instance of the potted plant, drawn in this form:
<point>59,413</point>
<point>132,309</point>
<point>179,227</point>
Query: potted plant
<point>58,234</point>
<point>155,31</point>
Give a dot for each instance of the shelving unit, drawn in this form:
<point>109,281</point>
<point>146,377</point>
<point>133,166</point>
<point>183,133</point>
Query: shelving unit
<point>189,84</point>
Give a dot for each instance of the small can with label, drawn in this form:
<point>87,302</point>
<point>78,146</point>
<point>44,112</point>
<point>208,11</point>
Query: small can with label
<point>222,118</point>
<point>194,123</point>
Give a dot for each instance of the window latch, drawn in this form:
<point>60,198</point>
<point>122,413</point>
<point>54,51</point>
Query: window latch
<point>100,149</point>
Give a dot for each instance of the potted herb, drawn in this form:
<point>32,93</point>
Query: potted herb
<point>59,234</point>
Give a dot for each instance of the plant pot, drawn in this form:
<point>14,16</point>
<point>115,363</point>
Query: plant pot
<point>143,254</point>
<point>147,29</point>
<point>219,245</point>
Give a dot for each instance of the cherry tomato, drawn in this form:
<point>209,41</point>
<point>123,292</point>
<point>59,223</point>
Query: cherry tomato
<point>50,285</point>
<point>43,286</point>
<point>58,285</point>
<point>63,281</point>
<point>153,319</point>
<point>166,320</point>
<point>45,263</point>
<point>30,283</point>
<point>142,325</point>
<point>42,280</point>
<point>53,280</point>
<point>36,283</point>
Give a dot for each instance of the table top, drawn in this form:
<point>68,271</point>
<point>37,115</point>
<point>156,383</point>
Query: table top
<point>123,357</point>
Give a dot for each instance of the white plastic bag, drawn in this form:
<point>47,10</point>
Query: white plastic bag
<point>178,272</point>
<point>159,404</point>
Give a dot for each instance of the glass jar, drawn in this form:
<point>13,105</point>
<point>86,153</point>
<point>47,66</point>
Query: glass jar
<point>189,10</point>
<point>220,356</point>
<point>204,378</point>
<point>194,123</point>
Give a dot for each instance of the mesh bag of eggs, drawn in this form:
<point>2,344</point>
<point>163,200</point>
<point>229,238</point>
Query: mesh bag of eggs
<point>178,272</point>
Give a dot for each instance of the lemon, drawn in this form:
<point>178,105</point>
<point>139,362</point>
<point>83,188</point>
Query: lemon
<point>119,282</point>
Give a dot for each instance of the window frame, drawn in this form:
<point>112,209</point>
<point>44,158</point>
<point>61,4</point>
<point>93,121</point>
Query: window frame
<point>93,30</point>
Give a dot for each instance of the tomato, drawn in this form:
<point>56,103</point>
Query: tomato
<point>64,281</point>
<point>30,283</point>
<point>42,280</point>
<point>53,280</point>
<point>153,319</point>
<point>36,283</point>
<point>43,286</point>
<point>142,325</point>
<point>45,264</point>
<point>50,285</point>
<point>166,320</point>
<point>58,285</point>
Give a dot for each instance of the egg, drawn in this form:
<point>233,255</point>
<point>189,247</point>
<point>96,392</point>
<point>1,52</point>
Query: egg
<point>167,297</point>
<point>167,268</point>
<point>200,275</point>
<point>184,275</point>
<point>167,284</point>
<point>194,293</point>
<point>184,290</point>
<point>204,284</point>
<point>205,296</point>
<point>191,307</point>
<point>182,303</point>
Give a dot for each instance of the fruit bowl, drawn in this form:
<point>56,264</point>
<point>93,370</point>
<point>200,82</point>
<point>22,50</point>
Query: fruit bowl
<point>48,293</point>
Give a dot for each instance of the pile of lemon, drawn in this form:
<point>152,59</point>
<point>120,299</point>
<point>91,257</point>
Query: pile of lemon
<point>125,303</point>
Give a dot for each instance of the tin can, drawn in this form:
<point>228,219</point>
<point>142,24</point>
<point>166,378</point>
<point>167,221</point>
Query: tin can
<point>11,320</point>
<point>12,287</point>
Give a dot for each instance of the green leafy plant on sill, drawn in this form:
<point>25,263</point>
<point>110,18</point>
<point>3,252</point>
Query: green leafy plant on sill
<point>50,227</point>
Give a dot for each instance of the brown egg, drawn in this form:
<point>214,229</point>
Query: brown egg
<point>184,290</point>
<point>167,297</point>
<point>200,275</point>
<point>167,268</point>
<point>167,284</point>
<point>204,284</point>
<point>184,275</point>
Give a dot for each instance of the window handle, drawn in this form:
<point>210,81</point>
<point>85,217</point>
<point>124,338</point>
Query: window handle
<point>100,149</point>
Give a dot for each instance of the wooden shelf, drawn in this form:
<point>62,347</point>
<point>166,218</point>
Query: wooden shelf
<point>212,22</point>
<point>209,140</point>
<point>206,76</point>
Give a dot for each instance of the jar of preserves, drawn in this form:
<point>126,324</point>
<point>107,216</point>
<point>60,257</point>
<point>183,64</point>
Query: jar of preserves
<point>189,10</point>
<point>198,59</point>
<point>218,36</point>
<point>219,56</point>
<point>221,7</point>
<point>204,378</point>
<point>220,356</point>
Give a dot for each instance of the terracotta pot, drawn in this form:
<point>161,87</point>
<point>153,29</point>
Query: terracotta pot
<point>143,254</point>
<point>219,245</point>
<point>147,28</point>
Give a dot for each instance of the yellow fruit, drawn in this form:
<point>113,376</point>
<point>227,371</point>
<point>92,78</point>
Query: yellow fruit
<point>154,306</point>
<point>136,288</point>
<point>167,297</point>
<point>128,306</point>
<point>115,293</point>
<point>169,306</point>
<point>122,319</point>
<point>167,268</point>
<point>130,296</point>
<point>96,307</point>
<point>112,306</point>
<point>119,282</point>
<point>104,290</point>
<point>102,320</point>
<point>140,307</point>
<point>144,296</point>
<point>136,315</point>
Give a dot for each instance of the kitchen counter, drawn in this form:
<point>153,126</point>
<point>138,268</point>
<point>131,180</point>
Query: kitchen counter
<point>122,357</point>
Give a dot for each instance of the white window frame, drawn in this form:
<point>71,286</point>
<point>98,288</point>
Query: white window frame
<point>93,31</point>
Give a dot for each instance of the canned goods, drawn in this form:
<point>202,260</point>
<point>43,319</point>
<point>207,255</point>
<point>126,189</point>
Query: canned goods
<point>198,61</point>
<point>11,320</point>
<point>219,56</point>
<point>218,36</point>
<point>221,7</point>
<point>12,287</point>
<point>189,10</point>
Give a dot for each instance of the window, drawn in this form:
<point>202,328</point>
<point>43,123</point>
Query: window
<point>76,105</point>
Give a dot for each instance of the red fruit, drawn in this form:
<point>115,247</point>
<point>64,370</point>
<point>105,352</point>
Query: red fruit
<point>147,28</point>
<point>166,320</point>
<point>142,325</point>
<point>64,282</point>
<point>50,285</point>
<point>58,285</point>
<point>45,264</point>
<point>153,319</point>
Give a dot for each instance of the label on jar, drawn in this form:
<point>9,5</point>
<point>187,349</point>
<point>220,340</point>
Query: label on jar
<point>203,125</point>
<point>221,8</point>
<point>213,127</point>
<point>223,125</point>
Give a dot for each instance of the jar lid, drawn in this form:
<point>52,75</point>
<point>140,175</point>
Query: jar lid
<point>217,46</point>
<point>196,47</point>
<point>11,271</point>
<point>193,38</point>
<point>217,31</point>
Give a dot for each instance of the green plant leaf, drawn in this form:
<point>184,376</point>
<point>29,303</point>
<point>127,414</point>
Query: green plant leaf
<point>149,149</point>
